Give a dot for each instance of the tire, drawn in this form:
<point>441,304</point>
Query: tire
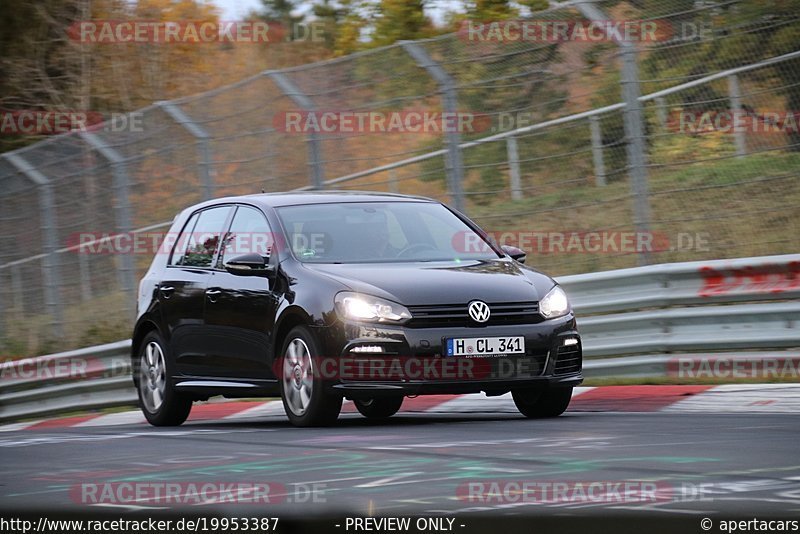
<point>305,399</point>
<point>540,404</point>
<point>379,408</point>
<point>158,400</point>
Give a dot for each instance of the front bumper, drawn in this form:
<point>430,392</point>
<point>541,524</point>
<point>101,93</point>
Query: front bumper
<point>547,362</point>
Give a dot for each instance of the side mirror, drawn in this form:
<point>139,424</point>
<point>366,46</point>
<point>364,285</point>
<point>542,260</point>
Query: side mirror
<point>249,265</point>
<point>515,253</point>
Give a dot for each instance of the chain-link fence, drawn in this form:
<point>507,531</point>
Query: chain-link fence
<point>591,151</point>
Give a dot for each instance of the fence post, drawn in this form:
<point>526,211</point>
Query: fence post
<point>86,278</point>
<point>122,210</point>
<point>637,157</point>
<point>735,95</point>
<point>16,290</point>
<point>634,125</point>
<point>454,162</point>
<point>597,151</point>
<point>288,88</point>
<point>513,167</point>
<point>50,268</point>
<point>204,161</point>
<point>661,112</point>
<point>3,308</point>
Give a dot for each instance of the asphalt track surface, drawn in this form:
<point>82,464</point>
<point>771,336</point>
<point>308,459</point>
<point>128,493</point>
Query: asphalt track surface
<point>414,464</point>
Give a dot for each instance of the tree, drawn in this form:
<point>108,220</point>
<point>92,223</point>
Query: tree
<point>397,20</point>
<point>284,12</point>
<point>535,5</point>
<point>490,10</point>
<point>37,68</point>
<point>342,22</point>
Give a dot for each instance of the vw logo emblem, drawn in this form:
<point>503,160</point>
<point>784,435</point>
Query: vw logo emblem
<point>479,311</point>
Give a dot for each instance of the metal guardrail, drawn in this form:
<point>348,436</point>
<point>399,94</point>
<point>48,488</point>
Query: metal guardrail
<point>639,322</point>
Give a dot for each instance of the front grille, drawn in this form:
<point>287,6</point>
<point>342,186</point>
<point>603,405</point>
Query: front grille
<point>568,360</point>
<point>506,313</point>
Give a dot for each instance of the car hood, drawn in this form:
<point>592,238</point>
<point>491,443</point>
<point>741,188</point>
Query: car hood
<point>436,283</point>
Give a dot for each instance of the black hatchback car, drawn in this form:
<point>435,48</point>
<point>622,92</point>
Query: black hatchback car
<point>320,297</point>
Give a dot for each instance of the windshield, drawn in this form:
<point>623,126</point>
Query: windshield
<point>380,232</point>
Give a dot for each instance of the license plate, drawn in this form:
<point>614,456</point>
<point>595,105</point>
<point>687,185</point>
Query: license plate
<point>485,346</point>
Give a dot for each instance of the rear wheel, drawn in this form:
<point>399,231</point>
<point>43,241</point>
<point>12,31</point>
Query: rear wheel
<point>304,397</point>
<point>379,408</point>
<point>160,403</point>
<point>539,404</point>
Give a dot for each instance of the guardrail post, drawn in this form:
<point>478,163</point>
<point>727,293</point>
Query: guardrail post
<point>122,209</point>
<point>597,151</point>
<point>50,268</point>
<point>454,162</point>
<point>513,168</point>
<point>394,187</point>
<point>205,165</point>
<point>288,88</point>
<point>735,95</point>
<point>634,125</point>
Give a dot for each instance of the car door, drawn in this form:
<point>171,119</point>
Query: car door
<point>182,291</point>
<point>240,310</point>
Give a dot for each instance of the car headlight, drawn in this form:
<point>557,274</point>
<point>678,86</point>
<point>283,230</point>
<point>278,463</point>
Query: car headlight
<point>358,307</point>
<point>554,304</point>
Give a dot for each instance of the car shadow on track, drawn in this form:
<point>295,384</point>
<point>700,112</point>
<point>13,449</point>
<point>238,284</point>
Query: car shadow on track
<point>354,421</point>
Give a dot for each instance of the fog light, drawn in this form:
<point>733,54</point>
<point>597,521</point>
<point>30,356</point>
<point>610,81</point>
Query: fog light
<point>570,341</point>
<point>367,349</point>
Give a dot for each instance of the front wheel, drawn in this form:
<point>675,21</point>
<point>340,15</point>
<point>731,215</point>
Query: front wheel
<point>302,390</point>
<point>379,408</point>
<point>160,403</point>
<point>540,404</point>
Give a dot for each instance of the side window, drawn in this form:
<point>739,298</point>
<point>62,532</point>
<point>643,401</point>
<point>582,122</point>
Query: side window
<point>249,234</point>
<point>201,243</point>
<point>180,244</point>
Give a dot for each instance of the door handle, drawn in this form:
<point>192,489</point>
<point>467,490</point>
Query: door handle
<point>166,291</point>
<point>212,294</point>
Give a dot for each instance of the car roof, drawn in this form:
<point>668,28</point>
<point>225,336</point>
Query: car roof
<point>294,198</point>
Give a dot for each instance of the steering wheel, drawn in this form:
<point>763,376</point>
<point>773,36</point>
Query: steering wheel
<point>416,247</point>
